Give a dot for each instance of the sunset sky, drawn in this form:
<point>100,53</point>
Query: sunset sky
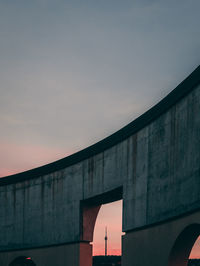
<point>73,72</point>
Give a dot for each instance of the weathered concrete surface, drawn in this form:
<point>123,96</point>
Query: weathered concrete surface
<point>164,170</point>
<point>153,163</point>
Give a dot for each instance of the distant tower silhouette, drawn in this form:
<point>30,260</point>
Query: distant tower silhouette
<point>106,240</point>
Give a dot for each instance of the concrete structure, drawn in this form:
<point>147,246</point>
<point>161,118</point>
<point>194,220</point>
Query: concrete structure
<point>153,164</point>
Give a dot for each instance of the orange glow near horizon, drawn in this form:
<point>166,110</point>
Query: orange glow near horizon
<point>195,252</point>
<point>110,215</point>
<point>26,157</point>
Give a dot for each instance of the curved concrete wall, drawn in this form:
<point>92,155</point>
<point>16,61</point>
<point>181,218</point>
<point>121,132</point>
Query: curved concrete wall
<point>155,160</point>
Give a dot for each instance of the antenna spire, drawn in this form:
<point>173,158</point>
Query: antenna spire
<point>106,240</point>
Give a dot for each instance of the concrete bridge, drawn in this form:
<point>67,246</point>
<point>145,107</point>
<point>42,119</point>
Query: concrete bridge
<point>152,164</point>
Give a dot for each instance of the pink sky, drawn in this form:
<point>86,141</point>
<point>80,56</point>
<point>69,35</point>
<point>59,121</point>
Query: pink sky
<point>110,215</point>
<point>18,157</point>
<point>195,252</point>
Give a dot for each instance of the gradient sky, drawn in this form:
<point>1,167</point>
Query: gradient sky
<point>110,216</point>
<point>73,72</point>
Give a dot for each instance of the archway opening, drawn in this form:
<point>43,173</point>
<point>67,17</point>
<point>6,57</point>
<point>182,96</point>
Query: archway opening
<point>100,212</point>
<point>108,225</point>
<point>22,261</point>
<point>184,246</point>
<point>107,235</point>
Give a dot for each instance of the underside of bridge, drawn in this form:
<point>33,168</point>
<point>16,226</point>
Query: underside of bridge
<point>48,214</point>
